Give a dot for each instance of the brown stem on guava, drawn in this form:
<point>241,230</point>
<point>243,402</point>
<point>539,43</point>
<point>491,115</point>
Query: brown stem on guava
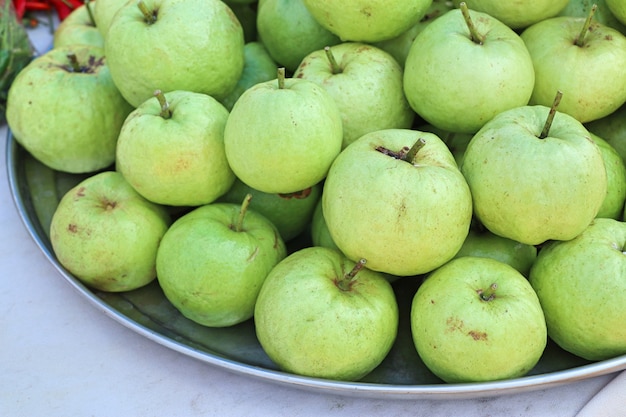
<point>90,13</point>
<point>334,66</point>
<point>555,104</point>
<point>412,153</point>
<point>345,282</point>
<point>74,65</point>
<point>580,39</point>
<point>281,78</point>
<point>475,36</point>
<point>166,113</point>
<point>149,16</point>
<point>489,294</point>
<point>397,155</point>
<point>242,212</point>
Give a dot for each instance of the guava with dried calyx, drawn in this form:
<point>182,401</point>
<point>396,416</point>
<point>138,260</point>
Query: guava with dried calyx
<point>106,234</point>
<point>171,149</point>
<point>65,109</point>
<point>191,45</point>
<point>397,198</point>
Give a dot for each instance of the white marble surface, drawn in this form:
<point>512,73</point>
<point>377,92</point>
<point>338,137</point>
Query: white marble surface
<point>60,356</point>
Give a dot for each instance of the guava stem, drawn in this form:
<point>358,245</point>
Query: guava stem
<point>281,78</point>
<point>89,12</point>
<point>475,36</point>
<point>412,153</point>
<point>580,39</point>
<point>149,16</point>
<point>489,294</point>
<point>555,104</point>
<point>242,212</point>
<point>336,69</point>
<point>166,113</point>
<point>344,283</point>
<point>74,65</point>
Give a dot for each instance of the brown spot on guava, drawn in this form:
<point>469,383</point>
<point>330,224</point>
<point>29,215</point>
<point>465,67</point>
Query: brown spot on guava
<point>454,324</point>
<point>476,335</point>
<point>72,228</point>
<point>80,192</point>
<point>107,204</point>
<point>297,194</point>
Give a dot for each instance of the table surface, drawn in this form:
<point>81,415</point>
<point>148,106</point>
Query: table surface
<point>60,356</point>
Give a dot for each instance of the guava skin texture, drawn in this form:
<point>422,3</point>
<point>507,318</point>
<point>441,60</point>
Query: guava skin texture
<point>477,319</point>
<point>283,138</point>
<point>77,28</point>
<point>406,217</point>
<point>530,189</point>
<point>517,14</point>
<point>367,20</point>
<point>310,326</point>
<point>366,75</point>
<point>192,45</point>
<point>107,235</point>
<point>460,90</point>
<point>290,32</point>
<point>581,284</point>
<point>212,272</point>
<point>178,160</point>
<point>613,205</point>
<point>67,118</point>
<point>561,64</point>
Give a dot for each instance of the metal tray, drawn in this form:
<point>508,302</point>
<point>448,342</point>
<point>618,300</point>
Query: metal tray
<point>36,191</point>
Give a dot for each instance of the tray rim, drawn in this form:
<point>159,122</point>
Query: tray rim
<point>356,389</point>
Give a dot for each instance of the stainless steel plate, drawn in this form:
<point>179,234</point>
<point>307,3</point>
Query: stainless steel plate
<point>36,191</point>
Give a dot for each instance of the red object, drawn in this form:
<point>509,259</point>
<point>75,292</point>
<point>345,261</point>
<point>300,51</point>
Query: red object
<point>62,7</point>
